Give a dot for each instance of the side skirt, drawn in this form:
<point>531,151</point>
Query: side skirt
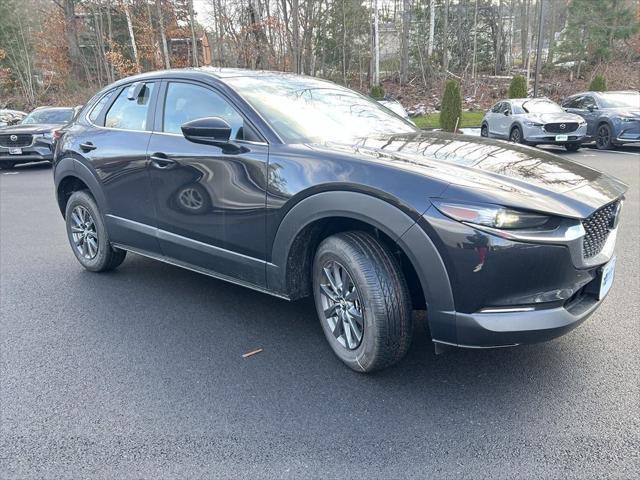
<point>204,271</point>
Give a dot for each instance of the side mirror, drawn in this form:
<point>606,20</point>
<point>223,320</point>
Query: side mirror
<point>209,130</point>
<point>506,112</point>
<point>591,108</point>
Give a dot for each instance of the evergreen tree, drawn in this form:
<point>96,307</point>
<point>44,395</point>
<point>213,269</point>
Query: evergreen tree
<point>451,111</point>
<point>598,84</point>
<point>377,92</point>
<point>518,87</point>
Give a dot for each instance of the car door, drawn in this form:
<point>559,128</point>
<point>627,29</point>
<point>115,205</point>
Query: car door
<point>504,120</point>
<point>589,111</point>
<point>493,118</point>
<point>210,200</point>
<point>115,145</point>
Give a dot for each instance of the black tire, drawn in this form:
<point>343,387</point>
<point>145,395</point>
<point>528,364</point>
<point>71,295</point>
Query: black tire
<point>384,300</point>
<point>604,138</point>
<point>7,165</point>
<point>572,147</point>
<point>106,257</point>
<point>484,131</point>
<point>515,135</point>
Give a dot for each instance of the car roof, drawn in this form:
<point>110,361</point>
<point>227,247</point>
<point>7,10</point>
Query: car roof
<point>591,92</point>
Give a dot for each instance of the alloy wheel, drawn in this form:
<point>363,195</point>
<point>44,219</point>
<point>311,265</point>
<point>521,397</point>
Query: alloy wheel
<point>83,232</point>
<point>604,137</point>
<point>515,135</point>
<point>343,312</point>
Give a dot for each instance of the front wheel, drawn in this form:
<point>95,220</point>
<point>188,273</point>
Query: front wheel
<point>88,236</point>
<point>362,300</point>
<point>572,147</point>
<point>604,138</point>
<point>516,135</point>
<point>484,131</point>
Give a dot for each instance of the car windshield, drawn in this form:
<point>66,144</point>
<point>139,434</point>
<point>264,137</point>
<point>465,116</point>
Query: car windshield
<point>541,106</point>
<point>49,115</point>
<point>304,110</point>
<point>620,100</point>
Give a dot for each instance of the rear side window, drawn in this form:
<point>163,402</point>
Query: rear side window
<point>98,107</point>
<point>129,111</point>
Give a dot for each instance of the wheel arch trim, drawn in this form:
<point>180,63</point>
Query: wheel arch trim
<point>400,227</point>
<point>71,167</point>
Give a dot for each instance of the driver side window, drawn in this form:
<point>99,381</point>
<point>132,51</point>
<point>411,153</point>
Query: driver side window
<point>185,102</point>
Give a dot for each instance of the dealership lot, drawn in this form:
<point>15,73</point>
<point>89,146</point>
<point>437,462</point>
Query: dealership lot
<point>140,372</point>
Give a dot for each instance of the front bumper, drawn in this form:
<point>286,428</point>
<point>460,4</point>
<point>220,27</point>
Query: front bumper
<point>508,292</point>
<point>38,152</point>
<point>538,135</point>
<point>500,329</point>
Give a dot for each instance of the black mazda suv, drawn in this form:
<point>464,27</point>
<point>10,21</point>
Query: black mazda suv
<point>296,187</point>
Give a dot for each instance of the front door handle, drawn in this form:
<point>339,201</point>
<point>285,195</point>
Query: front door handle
<point>161,162</point>
<point>87,146</point>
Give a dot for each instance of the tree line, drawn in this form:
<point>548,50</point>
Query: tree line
<point>55,48</point>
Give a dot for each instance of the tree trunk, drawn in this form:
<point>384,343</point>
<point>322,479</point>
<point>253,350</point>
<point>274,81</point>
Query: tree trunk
<point>132,37</point>
<point>432,26</point>
<point>295,25</point>
<point>475,41</point>
<point>445,28</point>
<point>165,48</point>
<point>194,43</point>
<point>376,45</point>
<point>71,34</point>
<point>404,56</point>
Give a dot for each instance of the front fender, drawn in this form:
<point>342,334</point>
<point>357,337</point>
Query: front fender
<point>387,218</point>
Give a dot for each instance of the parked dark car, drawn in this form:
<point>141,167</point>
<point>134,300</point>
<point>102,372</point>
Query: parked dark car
<point>32,140</point>
<point>613,118</point>
<point>10,117</point>
<point>295,186</point>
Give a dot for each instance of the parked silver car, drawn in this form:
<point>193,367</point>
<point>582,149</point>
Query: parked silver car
<point>534,121</point>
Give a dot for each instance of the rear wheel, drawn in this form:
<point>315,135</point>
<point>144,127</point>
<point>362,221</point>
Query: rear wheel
<point>572,147</point>
<point>604,137</point>
<point>362,300</point>
<point>7,165</point>
<point>516,135</point>
<point>88,236</point>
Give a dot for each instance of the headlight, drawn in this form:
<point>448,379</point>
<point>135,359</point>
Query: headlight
<point>627,119</point>
<point>493,216</point>
<point>583,123</point>
<point>533,124</point>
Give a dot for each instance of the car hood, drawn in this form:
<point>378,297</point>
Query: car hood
<point>494,171</point>
<point>560,117</point>
<point>31,129</point>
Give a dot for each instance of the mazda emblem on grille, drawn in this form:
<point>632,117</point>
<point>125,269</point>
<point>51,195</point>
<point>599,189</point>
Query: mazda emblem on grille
<point>562,126</point>
<point>13,138</point>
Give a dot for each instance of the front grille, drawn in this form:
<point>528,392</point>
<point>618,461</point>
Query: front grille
<point>597,228</point>
<point>22,140</point>
<point>558,127</point>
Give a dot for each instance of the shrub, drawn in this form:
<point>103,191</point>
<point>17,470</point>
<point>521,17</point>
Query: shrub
<point>451,110</point>
<point>377,92</point>
<point>598,84</point>
<point>518,87</point>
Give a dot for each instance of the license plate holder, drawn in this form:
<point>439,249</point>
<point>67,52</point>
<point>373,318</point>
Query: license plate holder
<point>15,151</point>
<point>562,138</point>
<point>607,274</point>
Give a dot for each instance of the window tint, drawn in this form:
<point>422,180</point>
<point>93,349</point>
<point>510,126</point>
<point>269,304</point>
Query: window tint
<point>587,102</point>
<point>573,102</point>
<point>97,108</point>
<point>186,102</point>
<point>130,113</point>
<point>496,107</point>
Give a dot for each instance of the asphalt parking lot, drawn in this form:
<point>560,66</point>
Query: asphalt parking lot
<point>139,374</point>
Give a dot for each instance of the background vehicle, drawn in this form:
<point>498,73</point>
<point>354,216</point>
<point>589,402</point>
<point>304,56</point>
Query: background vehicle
<point>613,118</point>
<point>534,121</point>
<point>298,187</point>
<point>10,117</point>
<point>32,139</point>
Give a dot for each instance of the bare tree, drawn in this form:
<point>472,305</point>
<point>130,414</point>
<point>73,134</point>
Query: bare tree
<point>163,35</point>
<point>404,45</point>
<point>194,43</point>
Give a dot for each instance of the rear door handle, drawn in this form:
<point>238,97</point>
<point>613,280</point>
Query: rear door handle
<point>87,146</point>
<point>161,162</point>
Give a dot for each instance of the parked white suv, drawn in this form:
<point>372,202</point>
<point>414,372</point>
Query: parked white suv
<point>534,121</point>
